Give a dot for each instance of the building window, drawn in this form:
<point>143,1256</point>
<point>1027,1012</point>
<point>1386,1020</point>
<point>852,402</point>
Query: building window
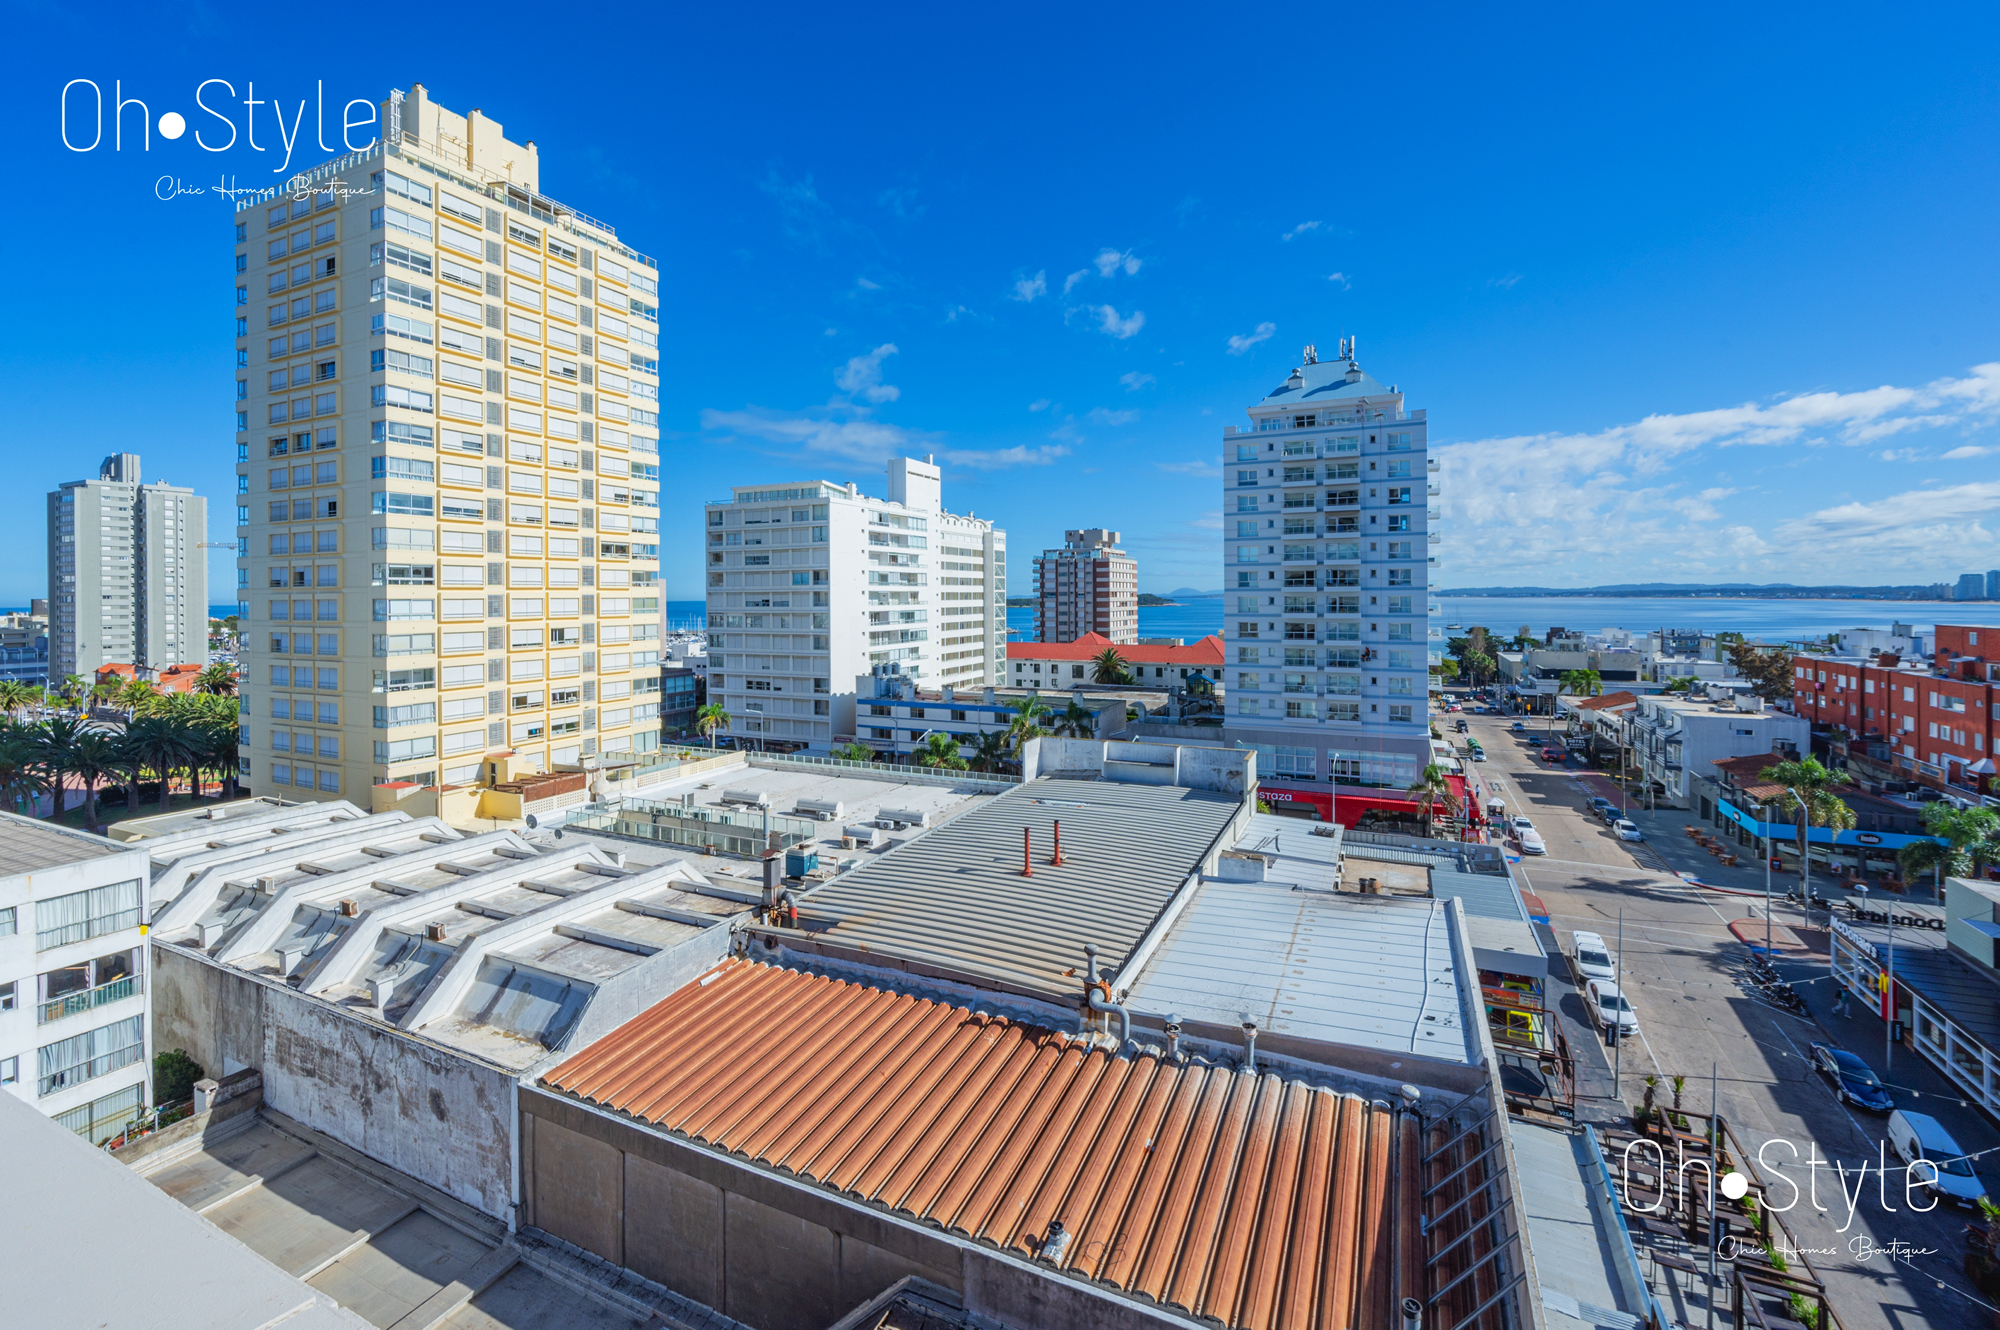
<point>86,914</point>
<point>89,1055</point>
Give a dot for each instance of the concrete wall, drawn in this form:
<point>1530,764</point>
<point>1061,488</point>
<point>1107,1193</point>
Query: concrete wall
<point>1228,770</point>
<point>434,1114</point>
<point>771,1251</point>
<point>644,985</point>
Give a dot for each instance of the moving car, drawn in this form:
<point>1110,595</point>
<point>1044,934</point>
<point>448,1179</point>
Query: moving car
<point>1479,754</point>
<point>1628,829</point>
<point>1518,728</point>
<point>1555,755</point>
<point>1593,959</point>
<point>1531,842</point>
<point>1608,1007</point>
<point>1598,804</point>
<point>1919,1137</point>
<point>1851,1078</point>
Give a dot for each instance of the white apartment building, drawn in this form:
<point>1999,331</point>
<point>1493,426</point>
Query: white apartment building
<point>128,582</point>
<point>1089,585</point>
<point>75,1007</point>
<point>1675,739</point>
<point>447,469</point>
<point>1327,546</point>
<point>816,590</point>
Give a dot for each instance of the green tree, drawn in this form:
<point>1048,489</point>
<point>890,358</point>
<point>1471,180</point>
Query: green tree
<point>1431,788</point>
<point>93,758</point>
<point>161,743</point>
<point>1967,839</point>
<point>1075,722</point>
<point>1026,722</point>
<point>73,687</point>
<point>14,697</point>
<point>174,1075</point>
<point>854,752</point>
<point>1479,665</point>
<point>712,717</point>
<point>1108,667</point>
<point>139,697</point>
<point>217,680</point>
<point>1447,670</point>
<point>56,740</point>
<point>1769,672</point>
<point>990,753</point>
<point>1810,800</point>
<point>940,750</point>
<point>20,765</point>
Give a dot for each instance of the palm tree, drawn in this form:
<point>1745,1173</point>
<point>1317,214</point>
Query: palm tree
<point>56,739</point>
<point>158,742</point>
<point>1026,722</point>
<point>14,695</point>
<point>1431,788</point>
<point>1107,666</point>
<point>93,757</point>
<point>854,752</point>
<point>1966,838</point>
<point>712,717</point>
<point>138,697</point>
<point>1075,722</point>
<point>940,750</point>
<point>73,687</point>
<point>1810,799</point>
<point>990,753</point>
<point>217,680</point>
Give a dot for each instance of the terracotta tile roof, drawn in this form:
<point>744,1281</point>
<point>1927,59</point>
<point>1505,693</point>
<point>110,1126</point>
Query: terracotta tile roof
<point>1205,654</point>
<point>1620,698</point>
<point>1746,773</point>
<point>171,679</point>
<point>1255,1200</point>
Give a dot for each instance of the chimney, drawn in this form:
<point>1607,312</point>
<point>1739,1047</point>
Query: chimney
<point>381,988</point>
<point>434,931</point>
<point>772,866</point>
<point>350,909</point>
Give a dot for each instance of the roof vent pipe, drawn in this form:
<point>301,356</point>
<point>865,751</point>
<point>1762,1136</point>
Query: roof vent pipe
<point>1413,1314</point>
<point>1055,1243</point>
<point>1249,1043</point>
<point>1057,861</point>
<point>771,867</point>
<point>1028,868</point>
<point>1097,994</point>
<point>1173,1036</point>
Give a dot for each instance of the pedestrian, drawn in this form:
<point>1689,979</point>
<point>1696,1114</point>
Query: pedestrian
<point>1841,1004</point>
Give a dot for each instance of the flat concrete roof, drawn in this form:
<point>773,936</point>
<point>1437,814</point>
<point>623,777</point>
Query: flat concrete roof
<point>28,844</point>
<point>144,1251</point>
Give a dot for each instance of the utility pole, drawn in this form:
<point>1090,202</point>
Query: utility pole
<point>1762,819</point>
<point>1618,1038</point>
<point>1714,1162</point>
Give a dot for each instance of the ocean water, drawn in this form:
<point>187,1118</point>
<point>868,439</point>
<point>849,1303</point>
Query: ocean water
<point>1192,620</point>
<point>1778,620</point>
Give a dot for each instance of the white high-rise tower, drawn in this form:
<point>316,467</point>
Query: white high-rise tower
<point>1328,540</point>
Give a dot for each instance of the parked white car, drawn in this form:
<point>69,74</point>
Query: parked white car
<point>1531,842</point>
<point>1610,1009</point>
<point>1627,829</point>
<point>1936,1162</point>
<point>1520,823</point>
<point>1593,959</point>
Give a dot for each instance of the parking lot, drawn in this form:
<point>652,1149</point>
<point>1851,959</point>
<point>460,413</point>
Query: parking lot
<point>1684,971</point>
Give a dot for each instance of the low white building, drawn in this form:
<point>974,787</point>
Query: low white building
<point>75,1001</point>
<point>1672,736</point>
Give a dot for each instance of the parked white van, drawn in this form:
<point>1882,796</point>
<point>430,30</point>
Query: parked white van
<point>1918,1140</point>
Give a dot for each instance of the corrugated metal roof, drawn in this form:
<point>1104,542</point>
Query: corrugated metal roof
<point>1255,1200</point>
<point>1268,833</point>
<point>954,898</point>
<point>1484,896</point>
<point>1365,971</point>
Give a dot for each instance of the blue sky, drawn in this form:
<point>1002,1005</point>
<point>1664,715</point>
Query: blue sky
<point>1687,299</point>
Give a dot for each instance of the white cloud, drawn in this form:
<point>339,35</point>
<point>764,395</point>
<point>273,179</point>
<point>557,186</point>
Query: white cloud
<point>1109,261</point>
<point>867,285</point>
<point>1212,470</point>
<point>1121,328</point>
<point>1106,416</point>
<point>1568,508</point>
<point>1074,278</point>
<point>1018,455</point>
<point>1039,404</point>
<point>862,376</point>
<point>1029,288</point>
<point>1956,454</point>
<point>1241,342</point>
<point>1134,380</point>
<point>1506,283</point>
<point>1303,228</point>
<point>865,440</point>
<point>1345,281</point>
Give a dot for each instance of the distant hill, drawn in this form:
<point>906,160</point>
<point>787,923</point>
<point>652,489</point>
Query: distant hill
<point>1147,599</point>
<point>1746,590</point>
<point>1189,593</point>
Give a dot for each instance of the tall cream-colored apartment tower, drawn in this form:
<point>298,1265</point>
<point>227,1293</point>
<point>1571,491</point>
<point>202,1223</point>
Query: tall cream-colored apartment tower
<point>1087,586</point>
<point>447,469</point>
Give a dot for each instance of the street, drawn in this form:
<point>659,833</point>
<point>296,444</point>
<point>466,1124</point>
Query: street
<point>1684,972</point>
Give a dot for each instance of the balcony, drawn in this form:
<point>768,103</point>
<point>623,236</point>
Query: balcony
<point>89,999</point>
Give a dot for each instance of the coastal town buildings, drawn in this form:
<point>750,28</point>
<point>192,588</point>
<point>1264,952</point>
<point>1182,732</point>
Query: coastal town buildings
<point>1088,585</point>
<point>127,577</point>
<point>1327,548</point>
<point>1934,723</point>
<point>447,469</point>
<point>819,595</point>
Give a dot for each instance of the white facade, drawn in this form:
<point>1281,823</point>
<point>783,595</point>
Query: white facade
<point>75,1004</point>
<point>128,582</point>
<point>1327,546</point>
<point>1672,736</point>
<point>813,588</point>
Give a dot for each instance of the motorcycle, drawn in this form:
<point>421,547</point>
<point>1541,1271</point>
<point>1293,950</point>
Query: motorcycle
<point>1814,902</point>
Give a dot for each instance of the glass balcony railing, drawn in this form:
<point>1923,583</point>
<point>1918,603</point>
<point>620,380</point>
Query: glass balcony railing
<point>69,1004</point>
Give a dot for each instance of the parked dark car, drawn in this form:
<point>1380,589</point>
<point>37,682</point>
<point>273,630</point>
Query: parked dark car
<point>1851,1078</point>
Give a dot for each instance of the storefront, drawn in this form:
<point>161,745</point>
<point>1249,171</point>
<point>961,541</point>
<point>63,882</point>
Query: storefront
<point>1869,853</point>
<point>1338,805</point>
